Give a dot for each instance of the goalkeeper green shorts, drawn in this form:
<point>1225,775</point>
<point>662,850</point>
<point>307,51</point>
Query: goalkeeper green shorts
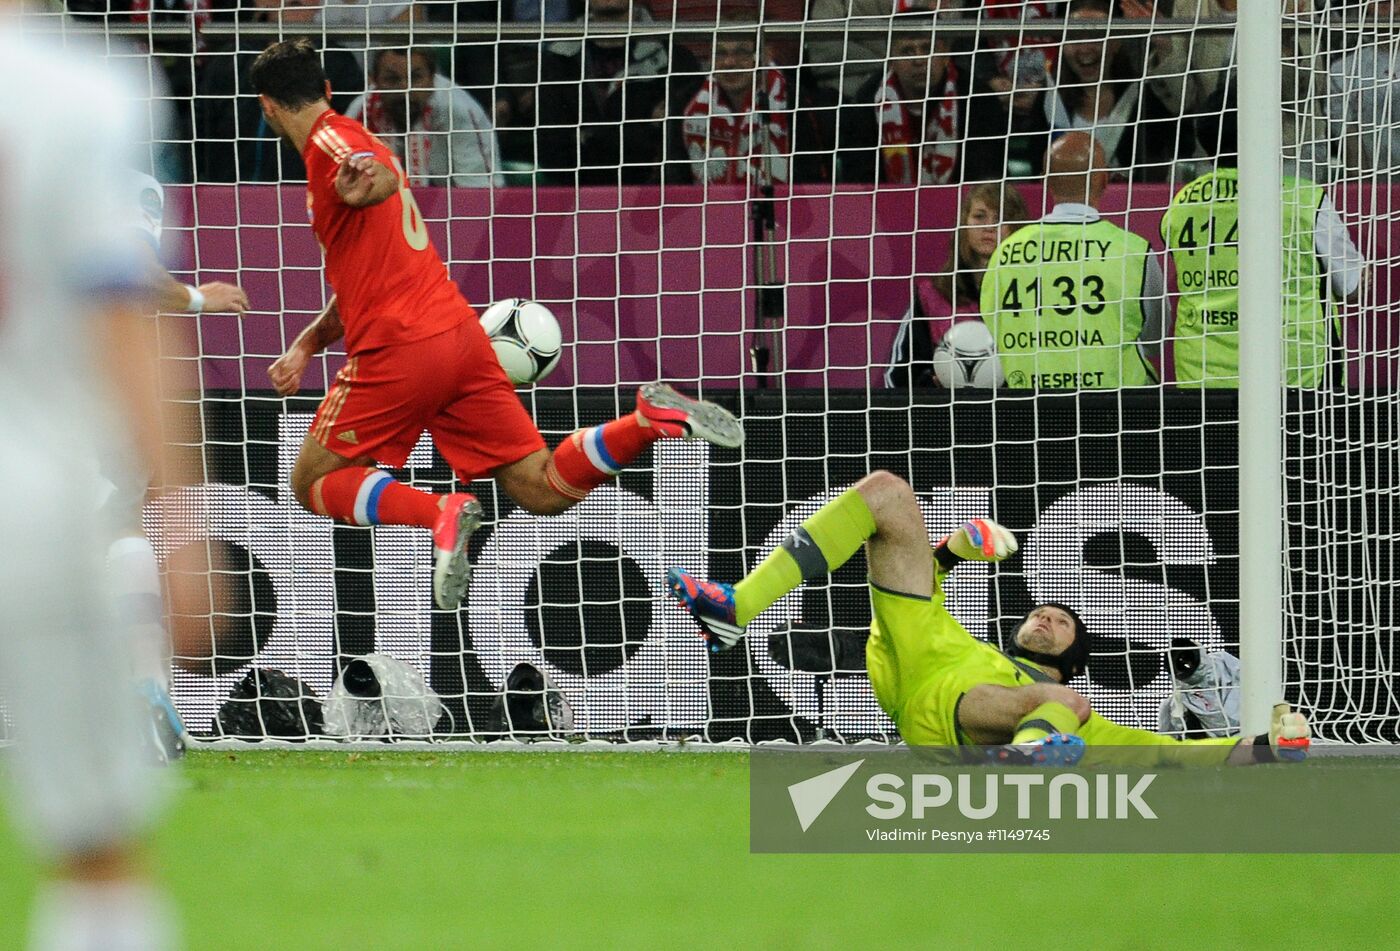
<point>922,661</point>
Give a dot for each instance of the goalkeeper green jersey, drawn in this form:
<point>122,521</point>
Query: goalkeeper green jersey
<point>1201,231</point>
<point>1064,300</point>
<point>922,662</point>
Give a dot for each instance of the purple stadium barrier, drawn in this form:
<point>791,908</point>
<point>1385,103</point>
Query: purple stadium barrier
<point>658,283</point>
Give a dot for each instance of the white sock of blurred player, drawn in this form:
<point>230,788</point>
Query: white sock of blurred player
<point>135,578</point>
<point>118,915</point>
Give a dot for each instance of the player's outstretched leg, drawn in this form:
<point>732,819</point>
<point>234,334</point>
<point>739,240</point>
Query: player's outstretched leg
<point>1046,736</point>
<point>1051,718</point>
<point>591,457</point>
<point>817,547</point>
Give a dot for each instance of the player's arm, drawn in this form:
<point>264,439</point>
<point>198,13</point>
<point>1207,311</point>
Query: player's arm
<point>363,180</point>
<point>169,296</point>
<point>981,539</point>
<point>1104,732</point>
<point>1154,294</point>
<point>286,372</point>
<point>1288,738</point>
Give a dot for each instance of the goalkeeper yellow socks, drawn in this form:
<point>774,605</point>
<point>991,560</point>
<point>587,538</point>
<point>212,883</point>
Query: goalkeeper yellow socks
<point>817,547</point>
<point>1044,720</point>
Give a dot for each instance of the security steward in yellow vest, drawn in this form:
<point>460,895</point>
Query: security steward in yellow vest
<point>1320,264</point>
<point>1073,301</point>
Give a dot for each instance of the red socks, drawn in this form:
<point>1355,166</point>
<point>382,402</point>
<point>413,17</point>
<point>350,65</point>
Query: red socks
<point>581,463</point>
<point>363,496</point>
<point>590,457</point>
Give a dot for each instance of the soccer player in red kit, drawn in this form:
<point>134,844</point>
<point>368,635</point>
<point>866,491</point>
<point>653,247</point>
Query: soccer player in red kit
<point>418,358</point>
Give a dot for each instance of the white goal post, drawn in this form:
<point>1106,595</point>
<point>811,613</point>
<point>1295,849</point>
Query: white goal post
<point>750,201</point>
<point>1260,42</point>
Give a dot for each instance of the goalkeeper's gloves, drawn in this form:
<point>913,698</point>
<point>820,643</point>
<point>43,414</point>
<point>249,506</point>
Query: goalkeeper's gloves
<point>1289,733</point>
<point>978,540</point>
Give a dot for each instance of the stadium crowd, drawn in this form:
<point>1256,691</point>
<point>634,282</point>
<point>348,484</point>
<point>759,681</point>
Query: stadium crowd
<point>674,106</point>
<point>895,107</point>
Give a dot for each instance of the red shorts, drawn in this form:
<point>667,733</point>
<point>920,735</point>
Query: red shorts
<point>450,385</point>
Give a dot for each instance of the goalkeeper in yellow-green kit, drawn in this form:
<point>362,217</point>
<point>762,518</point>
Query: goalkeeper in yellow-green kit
<point>940,685</point>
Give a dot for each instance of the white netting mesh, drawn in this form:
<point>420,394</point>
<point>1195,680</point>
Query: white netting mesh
<point>1339,87</point>
<point>788,223</point>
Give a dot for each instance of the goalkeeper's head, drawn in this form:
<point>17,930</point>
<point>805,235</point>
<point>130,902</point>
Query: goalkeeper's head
<point>1054,636</point>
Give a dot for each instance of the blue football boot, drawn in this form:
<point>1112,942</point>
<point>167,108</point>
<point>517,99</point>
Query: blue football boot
<point>1057,749</point>
<point>711,603</point>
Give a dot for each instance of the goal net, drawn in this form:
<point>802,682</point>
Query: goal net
<point>788,208</point>
<point>1340,128</point>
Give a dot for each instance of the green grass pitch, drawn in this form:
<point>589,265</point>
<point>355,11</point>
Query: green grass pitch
<point>270,849</point>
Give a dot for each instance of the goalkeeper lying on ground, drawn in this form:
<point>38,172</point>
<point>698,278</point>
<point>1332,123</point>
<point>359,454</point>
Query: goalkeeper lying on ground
<point>940,685</point>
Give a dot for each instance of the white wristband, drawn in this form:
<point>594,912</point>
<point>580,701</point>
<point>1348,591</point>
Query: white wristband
<point>196,304</point>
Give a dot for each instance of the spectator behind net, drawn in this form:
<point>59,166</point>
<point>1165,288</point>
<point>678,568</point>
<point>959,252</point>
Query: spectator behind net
<point>988,214</point>
<point>845,60</point>
<point>504,72</point>
<point>603,101</point>
<point>735,127</point>
<point>915,123</point>
<point>1009,77</point>
<point>1362,99</point>
<point>920,112</point>
<point>800,132</point>
<point>439,132</point>
<point>1186,68</point>
<point>234,142</point>
<point>1098,86</point>
<point>366,13</point>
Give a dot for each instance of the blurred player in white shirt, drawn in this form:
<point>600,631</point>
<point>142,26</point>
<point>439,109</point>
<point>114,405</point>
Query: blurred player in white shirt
<point>131,560</point>
<point>77,378</point>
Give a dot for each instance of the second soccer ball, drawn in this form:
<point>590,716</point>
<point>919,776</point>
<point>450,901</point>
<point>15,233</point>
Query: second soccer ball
<point>967,356</point>
<point>525,336</point>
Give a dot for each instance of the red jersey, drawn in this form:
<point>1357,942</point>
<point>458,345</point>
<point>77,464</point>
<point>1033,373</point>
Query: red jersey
<point>390,283</point>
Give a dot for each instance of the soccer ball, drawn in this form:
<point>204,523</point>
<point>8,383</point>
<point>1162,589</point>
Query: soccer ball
<point>525,336</point>
<point>967,356</point>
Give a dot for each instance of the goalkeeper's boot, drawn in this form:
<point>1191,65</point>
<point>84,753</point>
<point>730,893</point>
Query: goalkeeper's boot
<point>1289,734</point>
<point>711,603</point>
<point>452,571</point>
<point>1057,749</point>
<point>167,730</point>
<point>677,416</point>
